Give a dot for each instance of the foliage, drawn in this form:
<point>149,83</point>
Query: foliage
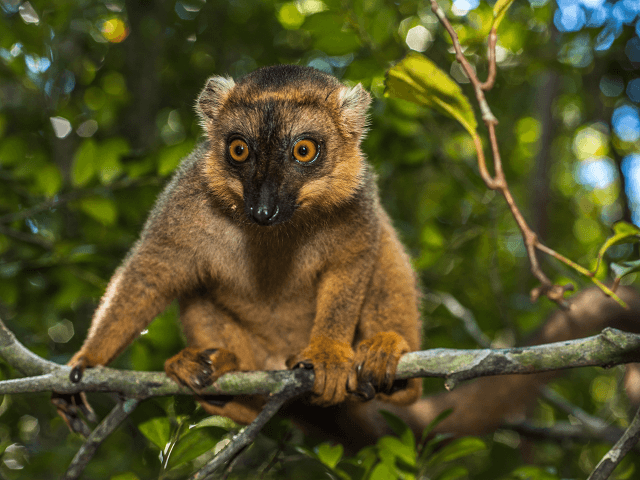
<point>96,104</point>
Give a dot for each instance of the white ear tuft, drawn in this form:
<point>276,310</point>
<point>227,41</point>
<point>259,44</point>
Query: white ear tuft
<point>356,98</point>
<point>354,103</point>
<point>213,95</point>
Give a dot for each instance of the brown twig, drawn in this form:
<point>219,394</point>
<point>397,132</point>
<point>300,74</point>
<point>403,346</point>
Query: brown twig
<point>491,77</point>
<point>499,181</point>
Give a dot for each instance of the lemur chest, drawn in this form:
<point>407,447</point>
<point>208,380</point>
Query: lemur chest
<point>276,325</point>
<point>274,285</point>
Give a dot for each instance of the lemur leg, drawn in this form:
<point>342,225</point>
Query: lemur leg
<point>217,344</point>
<point>390,326</point>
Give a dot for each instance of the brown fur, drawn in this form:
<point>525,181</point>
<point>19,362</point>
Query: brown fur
<point>325,284</point>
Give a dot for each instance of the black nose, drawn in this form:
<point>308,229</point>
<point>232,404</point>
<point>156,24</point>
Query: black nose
<point>264,214</point>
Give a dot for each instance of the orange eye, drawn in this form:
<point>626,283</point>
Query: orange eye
<point>305,150</point>
<point>239,150</point>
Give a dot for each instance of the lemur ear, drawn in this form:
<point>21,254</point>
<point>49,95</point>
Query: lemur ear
<point>354,103</point>
<point>213,96</point>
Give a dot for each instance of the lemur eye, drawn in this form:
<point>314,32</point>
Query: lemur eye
<point>239,150</point>
<point>305,150</point>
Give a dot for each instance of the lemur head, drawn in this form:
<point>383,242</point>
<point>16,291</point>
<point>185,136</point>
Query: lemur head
<point>283,139</point>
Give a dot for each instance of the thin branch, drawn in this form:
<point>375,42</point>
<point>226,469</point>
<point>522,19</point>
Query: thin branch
<point>610,461</point>
<point>82,458</point>
<point>487,115</point>
<point>491,54</point>
<point>611,347</point>
<point>21,358</point>
<point>590,422</point>
<point>247,435</point>
<point>499,181</point>
<point>26,237</point>
<point>563,431</point>
<point>466,316</point>
<point>59,200</point>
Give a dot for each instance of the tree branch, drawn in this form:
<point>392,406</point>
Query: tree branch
<point>64,198</point>
<point>249,433</point>
<point>84,455</point>
<point>609,348</point>
<point>610,461</point>
<point>563,431</point>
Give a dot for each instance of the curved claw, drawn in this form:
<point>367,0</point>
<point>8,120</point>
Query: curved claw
<point>365,391</point>
<point>304,365</point>
<point>70,406</point>
<point>77,371</point>
<point>197,369</point>
<point>76,374</point>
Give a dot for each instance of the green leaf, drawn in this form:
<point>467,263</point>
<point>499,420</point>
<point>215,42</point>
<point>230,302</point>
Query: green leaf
<point>49,179</point>
<point>170,157</point>
<point>157,431</point>
<point>453,473</point>
<point>125,476</point>
<point>192,445</point>
<point>434,423</point>
<point>531,472</point>
<point>289,16</point>
<point>625,268</point>
<point>623,232</point>
<point>459,448</point>
<point>101,209</point>
<point>418,80</point>
<point>400,428</point>
<point>499,11</point>
<point>328,33</point>
<point>399,450</point>
<point>382,472</point>
<point>108,159</point>
<point>217,421</point>
<point>83,168</point>
<point>12,150</point>
<point>330,455</point>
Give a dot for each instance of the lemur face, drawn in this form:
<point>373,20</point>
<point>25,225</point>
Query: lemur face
<point>284,139</point>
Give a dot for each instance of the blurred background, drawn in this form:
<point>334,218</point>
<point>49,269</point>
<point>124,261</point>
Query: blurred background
<point>97,109</point>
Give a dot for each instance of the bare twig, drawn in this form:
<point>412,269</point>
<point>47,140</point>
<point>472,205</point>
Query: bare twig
<point>491,54</point>
<point>591,423</point>
<point>499,181</point>
<point>247,434</point>
<point>59,200</point>
<point>21,358</point>
<point>26,237</point>
<point>84,455</point>
<point>466,316</point>
<point>460,365</point>
<point>610,461</point>
<point>563,431</point>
